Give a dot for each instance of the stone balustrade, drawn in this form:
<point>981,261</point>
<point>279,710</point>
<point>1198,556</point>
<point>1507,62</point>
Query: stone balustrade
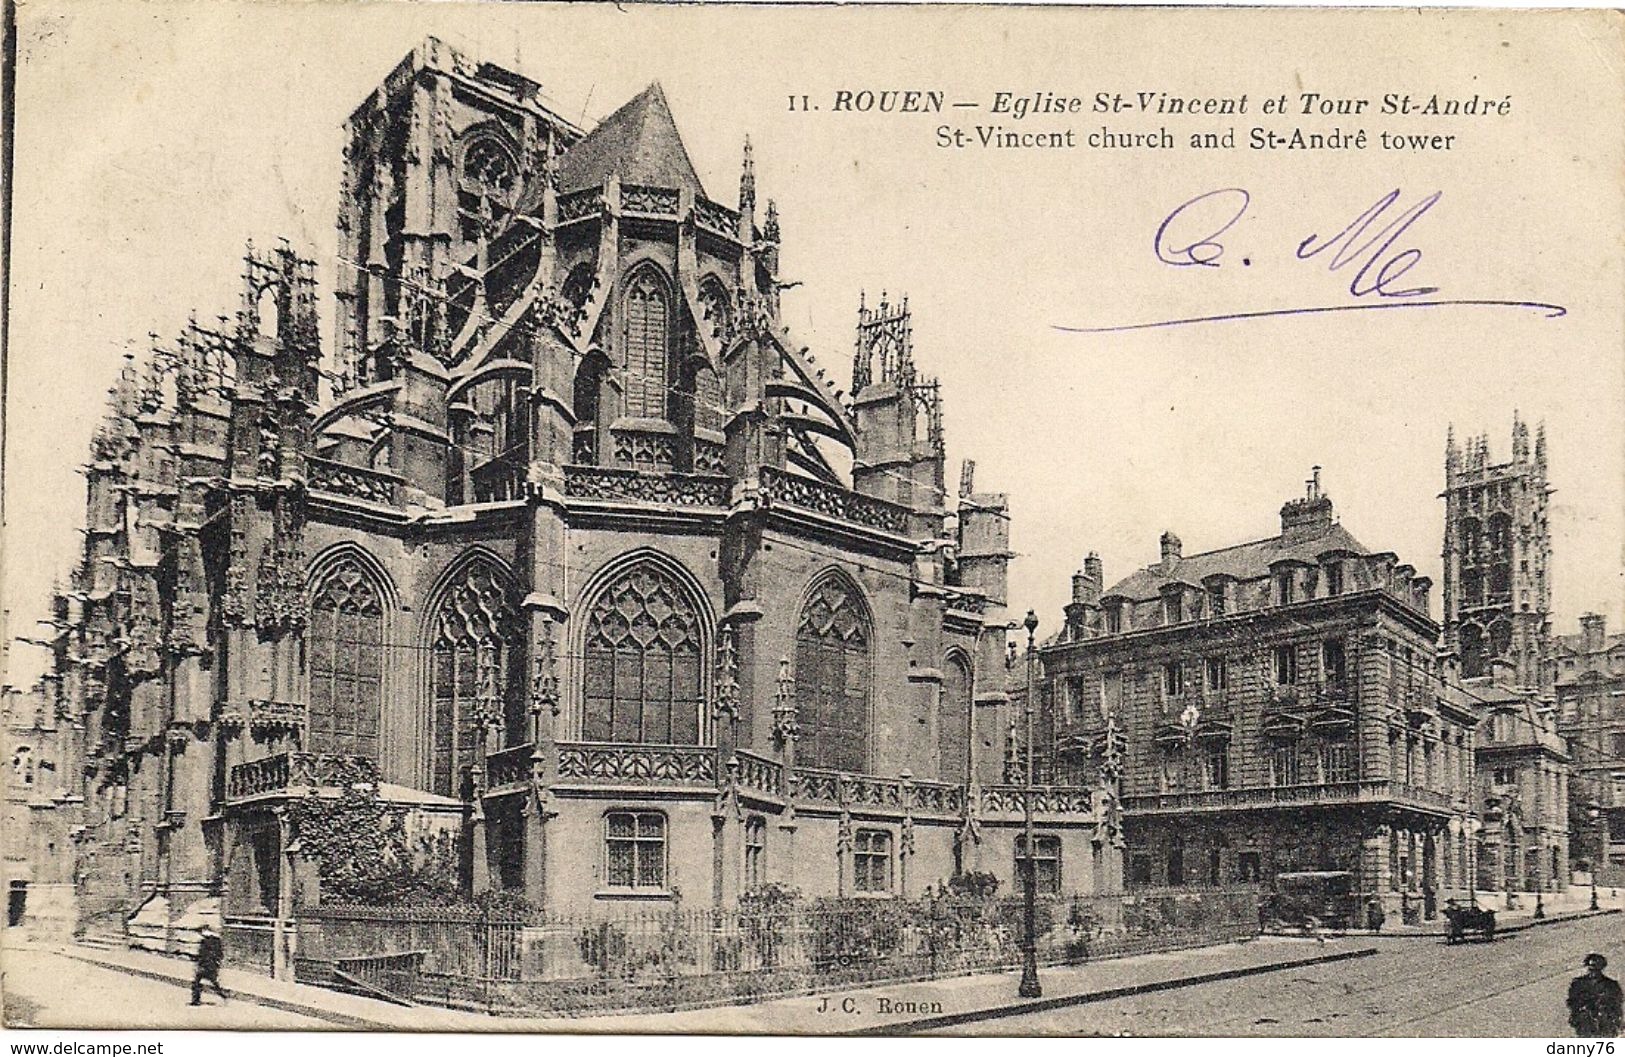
<point>291,772</point>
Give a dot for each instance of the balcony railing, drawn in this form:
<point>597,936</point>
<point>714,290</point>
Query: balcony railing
<point>1372,790</point>
<point>759,774</point>
<point>297,771</point>
<point>695,766</point>
<point>508,767</point>
<point>1046,799</point>
<point>357,482</point>
<point>833,501</point>
<point>683,765</point>
<point>498,481</point>
<point>636,486</point>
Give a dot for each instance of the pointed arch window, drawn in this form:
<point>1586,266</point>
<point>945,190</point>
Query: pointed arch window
<point>643,663</point>
<point>648,344</point>
<point>833,673</point>
<point>953,730</point>
<point>474,676</point>
<point>345,645</point>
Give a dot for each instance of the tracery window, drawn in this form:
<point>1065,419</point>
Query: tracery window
<point>345,645</point>
<point>832,677</point>
<point>473,674</point>
<point>644,661</point>
<point>648,345</point>
<point>953,729</point>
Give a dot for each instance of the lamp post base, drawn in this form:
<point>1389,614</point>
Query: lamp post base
<point>1540,906</point>
<point>1030,987</point>
<point>1593,895</point>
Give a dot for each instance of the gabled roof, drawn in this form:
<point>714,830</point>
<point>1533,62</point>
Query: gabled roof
<point>1245,561</point>
<point>638,143</point>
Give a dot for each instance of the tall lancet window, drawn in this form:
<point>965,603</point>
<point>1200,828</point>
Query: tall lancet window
<point>474,675</point>
<point>953,732</point>
<point>832,677</point>
<point>648,344</point>
<point>644,661</point>
<point>345,645</point>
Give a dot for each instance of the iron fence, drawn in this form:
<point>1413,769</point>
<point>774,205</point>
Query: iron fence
<point>676,958</point>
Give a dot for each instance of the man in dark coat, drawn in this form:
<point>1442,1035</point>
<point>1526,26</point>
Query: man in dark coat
<point>210,953</point>
<point>1594,1001</point>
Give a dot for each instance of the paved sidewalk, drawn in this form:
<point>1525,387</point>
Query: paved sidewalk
<point>870,1009</point>
<point>1506,922</point>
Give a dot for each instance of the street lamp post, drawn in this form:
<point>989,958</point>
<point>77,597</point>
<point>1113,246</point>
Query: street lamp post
<point>1030,987</point>
<point>1599,822</point>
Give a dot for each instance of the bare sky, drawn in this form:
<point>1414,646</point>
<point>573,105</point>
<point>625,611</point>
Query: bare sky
<point>153,139</point>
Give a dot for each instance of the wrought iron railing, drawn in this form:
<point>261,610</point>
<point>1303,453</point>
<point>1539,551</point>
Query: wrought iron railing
<point>357,482</point>
<point>679,957</point>
<point>833,501</point>
<point>298,770</point>
<point>671,489</point>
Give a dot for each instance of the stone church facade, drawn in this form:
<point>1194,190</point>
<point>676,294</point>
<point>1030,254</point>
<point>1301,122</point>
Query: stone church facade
<point>568,548</point>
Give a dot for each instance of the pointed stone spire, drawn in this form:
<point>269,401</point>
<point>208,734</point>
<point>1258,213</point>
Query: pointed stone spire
<point>747,181</point>
<point>1540,444</point>
<point>1452,453</point>
<point>770,226</point>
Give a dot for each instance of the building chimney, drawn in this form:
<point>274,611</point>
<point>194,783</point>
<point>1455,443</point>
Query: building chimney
<point>1086,588</point>
<point>1171,547</point>
<point>1594,626</point>
<point>1311,516</point>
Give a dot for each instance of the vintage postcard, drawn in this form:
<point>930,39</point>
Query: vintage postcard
<point>805,520</point>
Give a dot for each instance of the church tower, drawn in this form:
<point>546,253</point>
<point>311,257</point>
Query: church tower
<point>1497,561</point>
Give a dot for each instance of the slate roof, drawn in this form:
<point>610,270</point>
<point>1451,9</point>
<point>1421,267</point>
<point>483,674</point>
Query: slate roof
<point>1244,561</point>
<point>639,143</point>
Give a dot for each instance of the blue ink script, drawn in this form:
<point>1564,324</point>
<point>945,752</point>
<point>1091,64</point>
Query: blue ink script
<point>1378,245</point>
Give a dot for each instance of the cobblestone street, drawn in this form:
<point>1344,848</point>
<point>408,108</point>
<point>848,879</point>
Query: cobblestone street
<point>1414,986</point>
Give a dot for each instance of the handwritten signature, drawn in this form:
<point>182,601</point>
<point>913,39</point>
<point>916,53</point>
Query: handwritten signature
<point>1190,237</point>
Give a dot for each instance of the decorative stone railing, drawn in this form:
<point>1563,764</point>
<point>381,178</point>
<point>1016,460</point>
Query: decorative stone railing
<point>580,205</point>
<point>1419,795</point>
<point>708,456</point>
<point>508,767</point>
<point>759,774</point>
<point>852,790</point>
<point>669,489</point>
<point>298,770</point>
<point>643,449</point>
<point>715,218</point>
<point>655,201</point>
<point>638,764</point>
<point>357,482</point>
<point>833,501</point>
<point>1046,799</point>
<point>265,717</point>
<point>497,481</point>
<point>938,798</point>
<point>1371,790</point>
<point>966,603</point>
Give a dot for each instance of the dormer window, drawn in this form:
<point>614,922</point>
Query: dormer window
<point>1215,600</point>
<point>1173,608</point>
<point>1114,618</point>
<point>1334,579</point>
<point>1284,587</point>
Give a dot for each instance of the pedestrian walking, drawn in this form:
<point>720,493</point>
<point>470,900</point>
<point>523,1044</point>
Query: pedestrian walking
<point>1594,1001</point>
<point>211,951</point>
